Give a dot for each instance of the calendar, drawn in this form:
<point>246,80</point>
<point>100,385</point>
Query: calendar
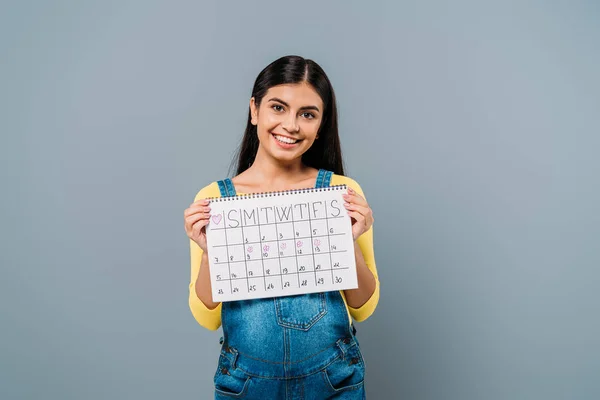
<point>280,243</point>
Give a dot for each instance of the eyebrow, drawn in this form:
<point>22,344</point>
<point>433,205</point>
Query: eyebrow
<point>287,105</point>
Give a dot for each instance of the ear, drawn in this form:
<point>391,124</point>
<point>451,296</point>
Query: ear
<point>253,112</point>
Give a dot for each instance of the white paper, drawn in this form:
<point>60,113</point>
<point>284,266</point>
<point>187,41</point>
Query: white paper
<point>279,244</point>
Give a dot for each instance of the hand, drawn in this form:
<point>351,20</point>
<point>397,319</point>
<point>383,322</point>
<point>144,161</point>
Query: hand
<point>196,217</point>
<point>360,213</point>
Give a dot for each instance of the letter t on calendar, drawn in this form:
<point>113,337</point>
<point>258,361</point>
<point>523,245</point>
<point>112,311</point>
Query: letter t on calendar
<point>280,243</point>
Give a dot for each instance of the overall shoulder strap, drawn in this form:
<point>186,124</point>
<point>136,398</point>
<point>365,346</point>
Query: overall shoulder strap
<point>226,187</point>
<point>323,178</point>
<point>320,178</point>
<point>327,178</point>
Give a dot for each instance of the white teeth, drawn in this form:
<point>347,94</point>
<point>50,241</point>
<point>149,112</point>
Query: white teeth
<point>284,139</point>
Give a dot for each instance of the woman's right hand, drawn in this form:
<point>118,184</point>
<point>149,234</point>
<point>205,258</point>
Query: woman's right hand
<point>196,217</point>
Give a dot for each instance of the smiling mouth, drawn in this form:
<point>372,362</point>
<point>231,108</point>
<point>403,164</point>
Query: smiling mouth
<point>284,139</point>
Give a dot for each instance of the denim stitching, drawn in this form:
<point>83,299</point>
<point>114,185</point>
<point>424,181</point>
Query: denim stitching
<point>303,326</point>
<point>288,362</point>
<point>230,187</point>
<point>319,182</point>
<point>327,178</point>
<point>222,188</point>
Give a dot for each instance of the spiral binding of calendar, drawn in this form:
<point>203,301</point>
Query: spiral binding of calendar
<point>276,193</point>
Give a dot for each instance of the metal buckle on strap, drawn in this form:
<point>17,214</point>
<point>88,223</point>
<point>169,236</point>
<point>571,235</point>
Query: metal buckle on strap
<point>231,354</point>
<point>344,344</point>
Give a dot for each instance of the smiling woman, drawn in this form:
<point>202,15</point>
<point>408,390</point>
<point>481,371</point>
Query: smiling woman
<point>300,345</point>
<point>289,119</point>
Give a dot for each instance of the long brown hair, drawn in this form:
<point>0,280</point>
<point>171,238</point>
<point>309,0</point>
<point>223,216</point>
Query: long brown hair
<point>325,152</point>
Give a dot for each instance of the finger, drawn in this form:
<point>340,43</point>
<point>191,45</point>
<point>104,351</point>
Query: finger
<point>355,207</point>
<point>353,197</point>
<point>357,216</point>
<point>192,219</point>
<point>195,217</point>
<point>197,227</point>
<point>201,201</point>
<point>360,220</point>
<point>195,209</point>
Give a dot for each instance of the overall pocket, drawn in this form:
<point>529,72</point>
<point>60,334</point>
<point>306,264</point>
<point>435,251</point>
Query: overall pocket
<point>230,382</point>
<point>347,372</point>
<point>300,311</point>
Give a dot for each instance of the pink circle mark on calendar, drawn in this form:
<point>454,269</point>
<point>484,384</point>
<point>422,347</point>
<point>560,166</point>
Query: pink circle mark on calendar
<point>266,248</point>
<point>250,249</point>
<point>299,243</point>
<point>317,242</point>
<point>283,245</point>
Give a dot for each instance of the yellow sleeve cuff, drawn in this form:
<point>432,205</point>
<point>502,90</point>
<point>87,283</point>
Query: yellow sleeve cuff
<point>363,312</point>
<point>210,319</point>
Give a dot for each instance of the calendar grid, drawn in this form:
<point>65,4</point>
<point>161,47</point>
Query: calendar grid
<point>245,260</point>
<point>291,213</point>
<point>325,252</point>
<point>247,226</point>
<point>279,255</point>
<point>228,264</point>
<point>294,246</point>
<point>262,260</point>
<point>312,247</point>
<point>282,274</point>
<point>329,244</point>
<point>300,237</point>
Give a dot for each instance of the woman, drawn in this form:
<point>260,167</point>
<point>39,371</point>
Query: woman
<point>301,346</point>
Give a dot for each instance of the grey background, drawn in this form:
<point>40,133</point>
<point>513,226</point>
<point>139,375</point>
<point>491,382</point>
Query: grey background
<point>472,127</point>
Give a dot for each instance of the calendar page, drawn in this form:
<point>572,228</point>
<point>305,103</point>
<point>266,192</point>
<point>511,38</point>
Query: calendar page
<point>280,243</point>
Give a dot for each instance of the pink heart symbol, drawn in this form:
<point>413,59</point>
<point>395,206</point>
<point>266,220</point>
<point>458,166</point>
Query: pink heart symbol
<point>283,245</point>
<point>217,218</point>
<point>250,249</point>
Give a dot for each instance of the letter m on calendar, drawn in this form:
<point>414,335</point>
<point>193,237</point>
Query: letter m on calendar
<point>280,243</point>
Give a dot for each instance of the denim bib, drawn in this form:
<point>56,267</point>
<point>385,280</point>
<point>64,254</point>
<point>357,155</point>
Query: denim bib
<point>287,337</point>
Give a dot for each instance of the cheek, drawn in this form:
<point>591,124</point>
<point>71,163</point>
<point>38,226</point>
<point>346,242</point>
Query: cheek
<point>269,121</point>
<point>310,128</point>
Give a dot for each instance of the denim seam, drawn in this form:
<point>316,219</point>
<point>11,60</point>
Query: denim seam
<point>222,188</point>
<point>327,179</point>
<point>289,377</point>
<point>286,362</point>
<point>230,188</point>
<point>356,386</point>
<point>303,326</point>
<point>319,182</point>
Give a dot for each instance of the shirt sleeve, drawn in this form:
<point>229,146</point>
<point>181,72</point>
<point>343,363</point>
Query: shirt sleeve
<point>210,319</point>
<point>365,243</point>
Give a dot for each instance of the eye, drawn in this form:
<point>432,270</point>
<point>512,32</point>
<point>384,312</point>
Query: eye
<point>275,107</point>
<point>310,115</point>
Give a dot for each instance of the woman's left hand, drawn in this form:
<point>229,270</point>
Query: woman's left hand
<point>359,211</point>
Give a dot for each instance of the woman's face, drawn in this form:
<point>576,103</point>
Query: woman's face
<point>288,120</point>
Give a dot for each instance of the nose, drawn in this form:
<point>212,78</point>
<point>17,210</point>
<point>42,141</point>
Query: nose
<point>290,123</point>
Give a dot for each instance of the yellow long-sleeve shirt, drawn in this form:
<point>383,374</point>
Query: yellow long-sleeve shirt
<point>211,319</point>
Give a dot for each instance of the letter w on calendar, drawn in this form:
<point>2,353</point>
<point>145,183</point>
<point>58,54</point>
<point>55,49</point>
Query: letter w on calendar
<point>280,243</point>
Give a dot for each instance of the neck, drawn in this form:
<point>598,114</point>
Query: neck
<point>270,170</point>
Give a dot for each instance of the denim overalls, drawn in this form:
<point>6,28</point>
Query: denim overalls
<point>289,347</point>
